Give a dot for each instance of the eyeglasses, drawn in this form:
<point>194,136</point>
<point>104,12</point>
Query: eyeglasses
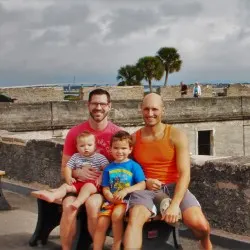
<point>96,104</point>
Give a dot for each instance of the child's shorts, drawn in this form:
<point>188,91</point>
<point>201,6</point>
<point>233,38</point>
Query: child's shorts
<point>107,208</point>
<point>79,184</point>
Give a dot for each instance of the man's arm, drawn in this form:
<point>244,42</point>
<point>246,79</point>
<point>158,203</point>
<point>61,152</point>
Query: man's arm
<point>199,89</point>
<point>65,159</point>
<point>124,192</point>
<point>180,141</point>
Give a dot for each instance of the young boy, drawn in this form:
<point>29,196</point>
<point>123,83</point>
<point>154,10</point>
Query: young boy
<point>120,178</point>
<point>86,146</point>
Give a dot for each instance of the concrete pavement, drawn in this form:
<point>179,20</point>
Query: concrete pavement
<point>18,224</point>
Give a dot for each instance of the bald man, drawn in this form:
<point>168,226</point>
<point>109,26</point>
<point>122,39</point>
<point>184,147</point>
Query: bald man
<point>162,151</point>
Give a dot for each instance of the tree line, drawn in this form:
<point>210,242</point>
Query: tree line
<point>149,68</point>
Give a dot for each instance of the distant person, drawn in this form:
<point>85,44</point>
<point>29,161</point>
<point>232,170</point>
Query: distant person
<point>120,179</point>
<point>86,157</point>
<point>183,89</point>
<point>196,90</point>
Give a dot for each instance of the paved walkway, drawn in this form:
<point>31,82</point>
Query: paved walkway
<point>18,224</point>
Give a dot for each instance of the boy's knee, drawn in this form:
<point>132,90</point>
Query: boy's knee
<point>117,217</point>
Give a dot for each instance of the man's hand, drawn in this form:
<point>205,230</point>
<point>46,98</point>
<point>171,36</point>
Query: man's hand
<point>172,214</point>
<point>86,173</point>
<point>120,195</point>
<point>153,184</point>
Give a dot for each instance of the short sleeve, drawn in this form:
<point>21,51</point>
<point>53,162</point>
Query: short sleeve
<point>105,178</point>
<point>71,162</point>
<point>103,161</point>
<point>70,144</point>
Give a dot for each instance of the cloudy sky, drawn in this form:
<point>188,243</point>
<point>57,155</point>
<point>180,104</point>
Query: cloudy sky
<point>44,42</point>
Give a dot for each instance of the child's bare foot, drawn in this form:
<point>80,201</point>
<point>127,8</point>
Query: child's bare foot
<point>44,195</point>
<point>76,204</point>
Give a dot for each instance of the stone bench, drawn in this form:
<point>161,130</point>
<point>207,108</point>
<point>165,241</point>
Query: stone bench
<point>4,205</point>
<point>156,234</point>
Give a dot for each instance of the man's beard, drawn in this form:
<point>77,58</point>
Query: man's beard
<point>98,120</point>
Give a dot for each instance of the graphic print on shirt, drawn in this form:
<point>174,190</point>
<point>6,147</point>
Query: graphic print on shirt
<point>103,147</point>
<point>119,179</point>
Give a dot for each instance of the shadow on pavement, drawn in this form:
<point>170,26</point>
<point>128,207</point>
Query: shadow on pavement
<point>20,241</point>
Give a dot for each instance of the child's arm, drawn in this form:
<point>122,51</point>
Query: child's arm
<point>68,176</point>
<point>99,179</point>
<point>139,179</point>
<point>107,194</point>
<point>121,194</point>
<point>103,164</point>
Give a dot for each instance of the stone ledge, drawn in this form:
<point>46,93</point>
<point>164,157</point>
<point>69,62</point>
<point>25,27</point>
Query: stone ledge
<point>13,140</point>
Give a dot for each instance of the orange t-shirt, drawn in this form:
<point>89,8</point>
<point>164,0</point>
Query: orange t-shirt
<point>157,158</point>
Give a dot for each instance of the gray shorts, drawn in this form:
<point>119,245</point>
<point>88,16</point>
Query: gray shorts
<point>152,199</point>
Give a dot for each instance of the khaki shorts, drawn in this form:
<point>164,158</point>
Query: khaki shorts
<point>152,199</point>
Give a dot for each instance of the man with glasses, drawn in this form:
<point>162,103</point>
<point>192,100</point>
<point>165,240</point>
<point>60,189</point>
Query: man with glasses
<point>99,106</point>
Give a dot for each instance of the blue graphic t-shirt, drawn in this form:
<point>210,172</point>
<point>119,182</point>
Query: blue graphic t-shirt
<point>118,176</point>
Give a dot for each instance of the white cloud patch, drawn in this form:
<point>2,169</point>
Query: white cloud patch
<point>52,41</point>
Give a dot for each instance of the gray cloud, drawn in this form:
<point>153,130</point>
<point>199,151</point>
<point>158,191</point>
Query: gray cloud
<point>51,41</point>
<point>181,9</point>
<point>66,14</point>
<point>128,21</point>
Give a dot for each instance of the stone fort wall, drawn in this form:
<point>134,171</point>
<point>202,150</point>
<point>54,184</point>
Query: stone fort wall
<point>44,94</point>
<point>173,92</point>
<point>228,119</point>
<point>117,92</point>
<point>34,94</point>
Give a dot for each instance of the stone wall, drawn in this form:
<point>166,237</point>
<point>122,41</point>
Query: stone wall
<point>221,186</point>
<point>32,161</point>
<point>34,94</point>
<point>238,90</point>
<point>58,115</point>
<point>117,92</point>
<point>223,189</point>
<point>227,138</point>
<point>227,118</point>
<point>173,92</point>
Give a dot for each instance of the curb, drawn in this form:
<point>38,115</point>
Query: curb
<point>17,188</point>
<point>223,239</point>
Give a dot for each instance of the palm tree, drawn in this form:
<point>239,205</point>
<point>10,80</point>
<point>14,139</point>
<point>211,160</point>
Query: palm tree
<point>170,59</point>
<point>129,75</point>
<point>151,69</point>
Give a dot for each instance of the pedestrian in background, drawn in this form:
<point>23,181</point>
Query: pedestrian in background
<point>196,90</point>
<point>183,89</point>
